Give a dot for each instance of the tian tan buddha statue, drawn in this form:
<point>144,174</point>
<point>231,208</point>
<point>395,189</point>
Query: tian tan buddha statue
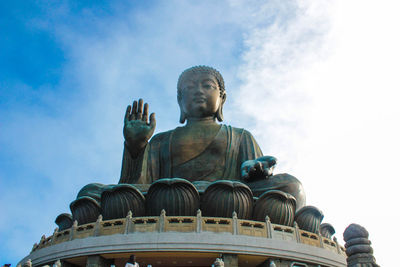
<point>202,152</point>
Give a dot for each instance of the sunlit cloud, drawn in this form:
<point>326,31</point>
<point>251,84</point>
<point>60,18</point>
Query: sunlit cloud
<point>323,96</point>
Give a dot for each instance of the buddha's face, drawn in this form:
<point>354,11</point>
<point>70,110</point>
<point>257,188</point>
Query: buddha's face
<point>200,96</point>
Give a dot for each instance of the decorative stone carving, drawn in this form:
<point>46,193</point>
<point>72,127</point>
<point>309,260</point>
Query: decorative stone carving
<point>85,210</point>
<point>178,197</point>
<point>358,247</point>
<point>64,221</point>
<point>327,230</point>
<point>309,218</point>
<point>355,231</point>
<point>224,197</point>
<point>118,200</point>
<point>279,206</point>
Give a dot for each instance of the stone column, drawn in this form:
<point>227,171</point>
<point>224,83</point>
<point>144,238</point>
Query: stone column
<point>230,260</point>
<point>66,264</point>
<point>97,261</point>
<point>272,263</point>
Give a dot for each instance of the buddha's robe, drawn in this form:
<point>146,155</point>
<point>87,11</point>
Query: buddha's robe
<point>221,158</point>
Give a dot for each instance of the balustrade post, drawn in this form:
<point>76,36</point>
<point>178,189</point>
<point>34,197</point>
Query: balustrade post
<point>321,243</point>
<point>337,245</point>
<point>235,223</point>
<point>297,232</point>
<point>41,242</point>
<point>199,221</point>
<point>269,227</point>
<point>128,222</point>
<point>73,230</point>
<point>162,221</point>
<point>97,225</point>
<point>35,246</point>
<point>53,238</point>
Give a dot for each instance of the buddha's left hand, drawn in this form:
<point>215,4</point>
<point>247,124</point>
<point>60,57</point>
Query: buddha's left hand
<point>260,168</point>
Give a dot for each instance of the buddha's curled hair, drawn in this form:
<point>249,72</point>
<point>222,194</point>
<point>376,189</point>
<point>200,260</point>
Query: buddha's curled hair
<point>201,69</point>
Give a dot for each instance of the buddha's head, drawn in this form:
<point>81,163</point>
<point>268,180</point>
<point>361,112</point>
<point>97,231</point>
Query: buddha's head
<point>201,93</point>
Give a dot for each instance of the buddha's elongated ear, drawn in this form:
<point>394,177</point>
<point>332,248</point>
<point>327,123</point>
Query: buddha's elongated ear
<point>219,114</point>
<point>182,117</point>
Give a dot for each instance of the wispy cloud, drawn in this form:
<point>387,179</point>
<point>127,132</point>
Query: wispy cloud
<point>321,91</point>
<point>66,135</point>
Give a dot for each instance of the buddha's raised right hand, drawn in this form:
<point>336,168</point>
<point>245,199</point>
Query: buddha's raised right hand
<point>137,129</point>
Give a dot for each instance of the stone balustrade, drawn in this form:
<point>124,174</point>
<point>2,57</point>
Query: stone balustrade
<point>197,224</point>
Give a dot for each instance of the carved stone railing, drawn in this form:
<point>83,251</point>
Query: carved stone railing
<point>163,223</point>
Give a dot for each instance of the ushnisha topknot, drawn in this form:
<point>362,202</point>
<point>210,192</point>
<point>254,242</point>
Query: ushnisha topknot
<point>202,69</point>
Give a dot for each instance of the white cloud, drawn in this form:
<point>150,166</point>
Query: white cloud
<point>322,90</point>
<point>73,135</point>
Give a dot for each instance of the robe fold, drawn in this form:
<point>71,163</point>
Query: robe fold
<point>221,159</point>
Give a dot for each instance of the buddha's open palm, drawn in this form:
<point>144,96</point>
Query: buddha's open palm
<point>137,128</point>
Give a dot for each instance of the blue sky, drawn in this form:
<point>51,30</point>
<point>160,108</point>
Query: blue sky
<point>316,83</point>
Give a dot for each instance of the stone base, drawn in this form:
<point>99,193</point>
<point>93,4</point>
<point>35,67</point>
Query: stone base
<point>184,249</point>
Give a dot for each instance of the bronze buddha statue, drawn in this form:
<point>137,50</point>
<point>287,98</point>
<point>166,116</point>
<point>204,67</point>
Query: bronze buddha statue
<point>201,150</point>
<point>216,167</point>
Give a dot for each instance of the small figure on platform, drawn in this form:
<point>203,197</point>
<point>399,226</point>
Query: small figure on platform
<point>218,263</point>
<point>132,262</point>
